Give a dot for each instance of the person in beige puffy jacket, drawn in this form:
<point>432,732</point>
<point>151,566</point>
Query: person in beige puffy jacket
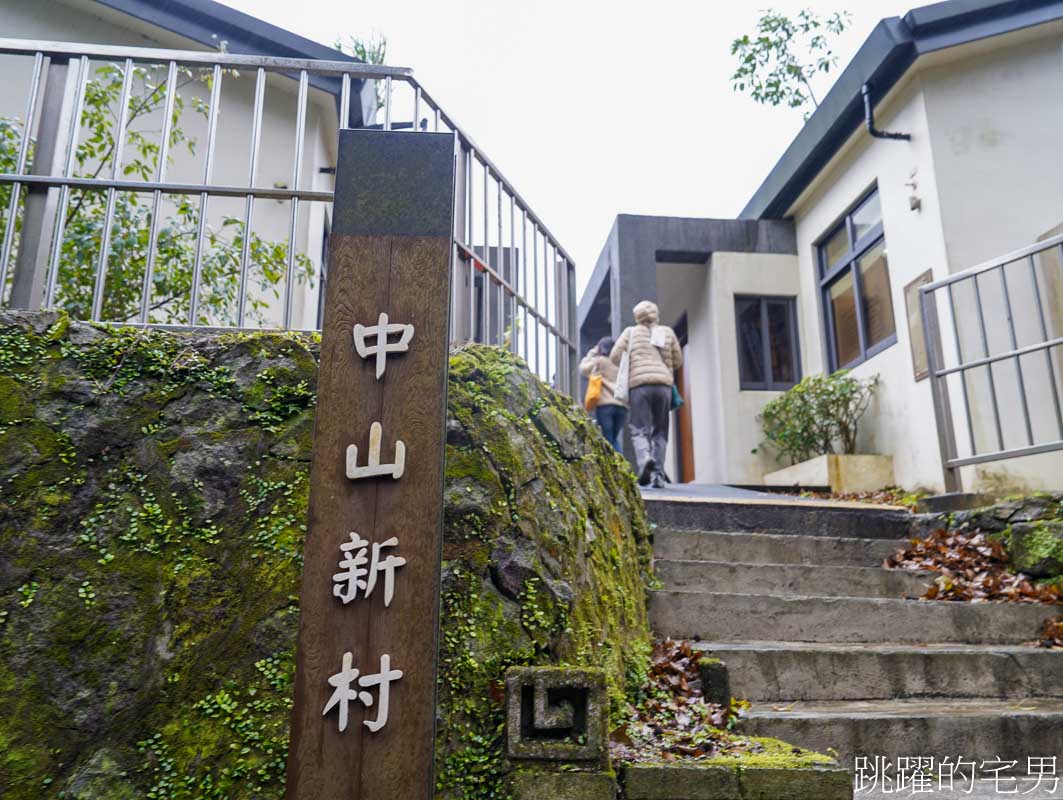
<point>653,357</point>
<point>610,412</point>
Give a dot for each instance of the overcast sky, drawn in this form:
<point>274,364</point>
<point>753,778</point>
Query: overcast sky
<point>591,108</point>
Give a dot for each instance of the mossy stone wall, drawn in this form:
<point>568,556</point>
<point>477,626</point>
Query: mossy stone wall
<point>153,494</point>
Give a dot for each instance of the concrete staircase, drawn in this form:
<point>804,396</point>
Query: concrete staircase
<point>835,652</point>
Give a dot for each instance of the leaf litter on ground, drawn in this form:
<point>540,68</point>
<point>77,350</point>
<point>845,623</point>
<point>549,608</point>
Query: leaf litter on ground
<point>673,720</point>
<point>975,567</point>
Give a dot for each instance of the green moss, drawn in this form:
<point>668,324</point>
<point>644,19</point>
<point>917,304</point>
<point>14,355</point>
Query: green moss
<point>1039,545</point>
<point>155,488</point>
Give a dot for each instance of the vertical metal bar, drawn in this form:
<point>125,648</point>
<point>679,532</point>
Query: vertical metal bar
<point>208,169</point>
<point>1018,360</point>
<point>345,102</point>
<point>524,282</point>
<point>989,367</point>
<point>946,431</point>
<point>252,177</point>
<point>513,274</point>
<point>64,192</point>
<point>469,164</point>
<point>437,115</point>
<point>500,265</point>
<point>387,103</point>
<point>297,169</point>
<point>535,275</point>
<point>963,375</point>
<point>417,109</point>
<point>573,327</point>
<point>1044,337</point>
<point>485,295</point>
<point>108,216</point>
<point>16,188</point>
<point>156,201</point>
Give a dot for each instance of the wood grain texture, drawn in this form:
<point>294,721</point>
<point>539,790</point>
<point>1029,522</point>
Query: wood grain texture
<point>409,278</point>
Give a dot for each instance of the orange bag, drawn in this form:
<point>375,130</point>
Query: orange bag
<point>594,392</point>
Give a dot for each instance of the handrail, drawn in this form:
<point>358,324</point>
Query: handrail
<point>1015,255</point>
<point>156,55</point>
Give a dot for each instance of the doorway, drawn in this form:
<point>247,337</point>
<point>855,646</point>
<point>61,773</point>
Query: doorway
<point>682,422</point>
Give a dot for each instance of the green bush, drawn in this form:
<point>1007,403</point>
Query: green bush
<point>817,416</point>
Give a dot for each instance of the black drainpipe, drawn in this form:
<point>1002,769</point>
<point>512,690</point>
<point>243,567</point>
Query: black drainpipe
<point>869,118</point>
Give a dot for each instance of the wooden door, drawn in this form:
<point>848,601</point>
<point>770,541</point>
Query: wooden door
<point>684,424</point>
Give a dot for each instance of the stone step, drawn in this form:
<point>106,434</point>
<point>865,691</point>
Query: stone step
<point>972,729</point>
<point>767,548</point>
<point>772,671</point>
<point>789,579</point>
<point>700,781</point>
<point>809,517</point>
<point>744,617</point>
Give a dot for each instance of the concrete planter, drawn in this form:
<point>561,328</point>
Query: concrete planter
<point>842,473</point>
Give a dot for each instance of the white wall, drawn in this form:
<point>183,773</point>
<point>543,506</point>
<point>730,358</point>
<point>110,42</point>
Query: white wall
<point>996,124</point>
<point>80,21</point>
<point>723,417</point>
<point>985,152</point>
<point>900,420</point>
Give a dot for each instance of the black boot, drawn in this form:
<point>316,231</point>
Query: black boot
<point>649,469</point>
<point>658,481</point>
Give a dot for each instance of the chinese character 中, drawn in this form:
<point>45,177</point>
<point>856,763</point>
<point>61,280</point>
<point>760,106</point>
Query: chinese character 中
<point>356,575</point>
<point>343,693</point>
<point>382,330</point>
<point>373,467</point>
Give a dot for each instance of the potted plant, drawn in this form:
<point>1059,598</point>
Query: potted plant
<point>815,425</point>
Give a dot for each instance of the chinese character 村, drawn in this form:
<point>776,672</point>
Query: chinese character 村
<point>355,575</point>
<point>343,693</point>
<point>381,331</point>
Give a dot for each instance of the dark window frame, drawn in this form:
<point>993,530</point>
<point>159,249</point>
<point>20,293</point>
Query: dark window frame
<point>829,274</point>
<point>770,384</point>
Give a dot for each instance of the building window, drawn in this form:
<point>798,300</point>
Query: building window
<point>768,357</point>
<point>855,279</point>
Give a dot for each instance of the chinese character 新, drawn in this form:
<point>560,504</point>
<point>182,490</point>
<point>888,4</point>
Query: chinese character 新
<point>356,575</point>
<point>382,331</point>
<point>343,692</point>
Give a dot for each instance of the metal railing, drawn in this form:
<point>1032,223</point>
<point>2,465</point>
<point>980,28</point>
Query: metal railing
<point>514,285</point>
<point>1006,321</point>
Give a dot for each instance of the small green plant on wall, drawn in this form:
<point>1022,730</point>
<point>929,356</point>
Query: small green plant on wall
<point>819,415</point>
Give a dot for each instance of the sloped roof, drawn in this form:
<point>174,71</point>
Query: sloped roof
<point>884,57</point>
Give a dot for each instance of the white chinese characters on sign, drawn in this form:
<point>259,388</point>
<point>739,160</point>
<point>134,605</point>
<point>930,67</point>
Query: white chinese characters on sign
<point>355,575</point>
<point>343,692</point>
<point>382,331</point>
<point>373,467</point>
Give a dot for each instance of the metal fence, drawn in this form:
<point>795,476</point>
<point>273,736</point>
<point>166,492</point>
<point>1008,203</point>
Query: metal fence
<point>1000,379</point>
<point>168,242</point>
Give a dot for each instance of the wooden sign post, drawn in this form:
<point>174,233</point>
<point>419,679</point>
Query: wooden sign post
<point>364,714</point>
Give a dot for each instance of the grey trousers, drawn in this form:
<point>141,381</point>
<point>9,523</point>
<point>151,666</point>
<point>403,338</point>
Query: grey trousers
<point>650,407</point>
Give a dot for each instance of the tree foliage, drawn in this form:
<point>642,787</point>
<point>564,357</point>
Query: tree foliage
<point>178,230</point>
<point>371,51</point>
<point>819,415</point>
<point>776,64</point>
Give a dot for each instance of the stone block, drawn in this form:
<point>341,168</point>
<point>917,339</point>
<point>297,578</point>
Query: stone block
<point>1037,548</point>
<point>819,783</point>
<point>844,474</point>
<point>715,684</point>
<point>680,782</point>
<point>556,714</point>
<point>535,784</point>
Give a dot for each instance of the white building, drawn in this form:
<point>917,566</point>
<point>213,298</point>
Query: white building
<point>978,87</point>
